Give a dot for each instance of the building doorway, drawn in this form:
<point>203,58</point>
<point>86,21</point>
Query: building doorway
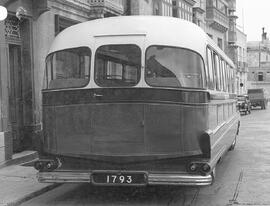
<point>16,96</point>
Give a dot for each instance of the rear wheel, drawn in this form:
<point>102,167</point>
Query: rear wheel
<point>213,174</point>
<point>233,145</point>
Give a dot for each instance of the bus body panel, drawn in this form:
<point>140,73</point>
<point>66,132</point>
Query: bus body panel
<point>111,127</point>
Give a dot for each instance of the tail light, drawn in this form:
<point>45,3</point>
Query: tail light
<point>193,167</point>
<point>47,164</point>
<point>205,168</point>
<point>201,167</point>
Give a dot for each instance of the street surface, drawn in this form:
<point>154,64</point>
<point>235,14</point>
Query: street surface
<point>243,178</point>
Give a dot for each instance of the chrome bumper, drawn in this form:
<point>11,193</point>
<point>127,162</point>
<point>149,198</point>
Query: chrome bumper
<point>153,178</point>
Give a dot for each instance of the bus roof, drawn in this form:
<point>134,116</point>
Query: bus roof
<point>158,30</point>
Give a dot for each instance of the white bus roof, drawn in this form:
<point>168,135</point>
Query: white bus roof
<point>158,30</point>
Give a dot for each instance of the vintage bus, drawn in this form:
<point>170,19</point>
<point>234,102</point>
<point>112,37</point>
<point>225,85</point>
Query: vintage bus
<point>136,100</point>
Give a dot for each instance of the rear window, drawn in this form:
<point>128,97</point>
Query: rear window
<point>173,67</point>
<point>117,65</point>
<point>68,68</point>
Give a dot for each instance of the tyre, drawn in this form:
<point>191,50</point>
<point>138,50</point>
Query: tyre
<point>233,145</point>
<point>213,174</point>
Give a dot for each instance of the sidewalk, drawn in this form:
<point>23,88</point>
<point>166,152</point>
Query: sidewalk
<point>18,183</point>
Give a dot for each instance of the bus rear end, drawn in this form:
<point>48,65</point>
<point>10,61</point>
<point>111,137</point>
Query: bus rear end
<point>134,127</point>
<point>128,103</point>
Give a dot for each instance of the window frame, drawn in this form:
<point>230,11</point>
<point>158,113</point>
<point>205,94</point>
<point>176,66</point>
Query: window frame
<point>125,86</point>
<point>65,88</point>
<point>211,82</point>
<point>260,76</point>
<point>216,64</point>
<point>203,70</point>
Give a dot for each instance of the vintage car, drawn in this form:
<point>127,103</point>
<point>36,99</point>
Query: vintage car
<point>243,104</point>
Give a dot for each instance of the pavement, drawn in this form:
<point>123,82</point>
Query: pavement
<point>18,181</point>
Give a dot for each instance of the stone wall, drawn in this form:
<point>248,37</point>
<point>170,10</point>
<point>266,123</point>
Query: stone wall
<point>142,7</point>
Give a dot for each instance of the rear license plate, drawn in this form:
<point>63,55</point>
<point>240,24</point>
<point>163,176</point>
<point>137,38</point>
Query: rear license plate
<point>121,178</point>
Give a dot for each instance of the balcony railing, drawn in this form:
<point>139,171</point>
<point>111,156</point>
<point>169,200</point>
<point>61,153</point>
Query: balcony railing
<point>217,19</point>
<point>114,7</point>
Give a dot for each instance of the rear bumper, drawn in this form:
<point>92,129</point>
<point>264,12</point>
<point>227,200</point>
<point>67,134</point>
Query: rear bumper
<point>152,178</point>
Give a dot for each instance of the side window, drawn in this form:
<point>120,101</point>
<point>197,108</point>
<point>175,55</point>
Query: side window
<point>223,79</point>
<point>217,71</point>
<point>210,73</point>
<point>221,74</point>
<point>227,77</point>
<point>233,80</point>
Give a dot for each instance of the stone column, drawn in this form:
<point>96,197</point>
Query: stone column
<point>5,133</point>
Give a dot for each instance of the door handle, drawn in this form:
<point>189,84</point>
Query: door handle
<point>98,95</point>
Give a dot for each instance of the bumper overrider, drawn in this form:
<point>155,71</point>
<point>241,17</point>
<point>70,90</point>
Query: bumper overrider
<point>150,178</point>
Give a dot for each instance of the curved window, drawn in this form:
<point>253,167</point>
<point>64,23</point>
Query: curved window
<point>117,65</point>
<point>68,68</point>
<point>173,67</point>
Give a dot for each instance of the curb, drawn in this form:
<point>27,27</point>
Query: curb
<point>21,158</point>
<point>33,194</point>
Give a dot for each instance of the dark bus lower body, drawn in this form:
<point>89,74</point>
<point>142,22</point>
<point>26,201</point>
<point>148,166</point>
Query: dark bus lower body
<point>133,137</point>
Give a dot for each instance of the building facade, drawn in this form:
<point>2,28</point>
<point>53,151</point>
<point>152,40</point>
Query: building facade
<point>217,21</point>
<point>242,69</point>
<point>258,59</point>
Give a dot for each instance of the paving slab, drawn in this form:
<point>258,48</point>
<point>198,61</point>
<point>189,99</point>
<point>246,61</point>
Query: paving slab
<point>18,182</point>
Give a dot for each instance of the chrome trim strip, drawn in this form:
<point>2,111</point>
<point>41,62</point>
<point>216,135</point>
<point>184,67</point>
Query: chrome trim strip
<point>179,179</point>
<point>153,178</point>
<point>143,34</point>
<point>63,177</point>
